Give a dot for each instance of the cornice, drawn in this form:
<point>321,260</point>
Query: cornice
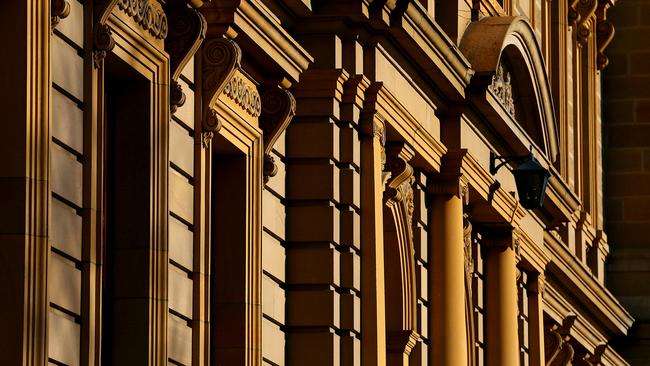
<point>596,298</point>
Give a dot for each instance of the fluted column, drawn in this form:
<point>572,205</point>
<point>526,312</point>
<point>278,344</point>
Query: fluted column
<point>501,295</point>
<point>447,329</point>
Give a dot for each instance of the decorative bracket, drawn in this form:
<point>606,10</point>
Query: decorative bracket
<point>221,58</point>
<point>278,108</point>
<point>60,9</point>
<point>102,37</point>
<point>604,34</point>
<point>586,9</point>
<point>187,28</point>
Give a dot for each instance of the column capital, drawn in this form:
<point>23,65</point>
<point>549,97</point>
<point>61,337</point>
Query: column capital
<point>537,284</point>
<point>450,180</point>
<point>499,236</point>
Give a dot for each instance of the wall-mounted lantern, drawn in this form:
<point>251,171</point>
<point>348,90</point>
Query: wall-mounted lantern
<point>531,178</point>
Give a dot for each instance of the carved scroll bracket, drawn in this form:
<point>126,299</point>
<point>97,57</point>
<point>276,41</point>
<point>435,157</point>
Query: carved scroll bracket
<point>586,10</point>
<point>558,350</point>
<point>604,34</point>
<point>187,29</point>
<point>221,58</point>
<point>102,35</point>
<point>60,9</point>
<point>278,108</point>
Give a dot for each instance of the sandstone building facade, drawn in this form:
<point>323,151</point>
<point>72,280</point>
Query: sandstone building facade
<point>296,182</point>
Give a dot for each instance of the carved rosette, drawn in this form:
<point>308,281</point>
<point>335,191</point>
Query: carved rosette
<point>278,108</point>
<point>102,36</point>
<point>501,87</point>
<point>187,29</point>
<point>149,17</point>
<point>59,9</point>
<point>221,58</point>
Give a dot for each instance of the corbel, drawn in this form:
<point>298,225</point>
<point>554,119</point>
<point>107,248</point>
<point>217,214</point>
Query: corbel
<point>221,58</point>
<point>572,12</point>
<point>399,186</point>
<point>586,9</point>
<point>604,33</point>
<point>278,108</point>
<point>187,28</point>
<point>558,350</point>
<point>102,35</point>
<point>59,9</point>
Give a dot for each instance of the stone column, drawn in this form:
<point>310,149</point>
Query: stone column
<point>373,317</point>
<point>501,300</point>
<point>447,329</point>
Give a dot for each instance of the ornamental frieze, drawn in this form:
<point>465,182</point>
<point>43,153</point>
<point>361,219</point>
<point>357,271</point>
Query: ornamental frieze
<point>149,17</point>
<point>244,95</point>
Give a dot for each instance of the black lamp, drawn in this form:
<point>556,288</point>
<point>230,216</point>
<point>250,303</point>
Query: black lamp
<point>531,178</point>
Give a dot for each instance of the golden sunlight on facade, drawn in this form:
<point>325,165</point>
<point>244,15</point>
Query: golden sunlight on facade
<point>310,183</point>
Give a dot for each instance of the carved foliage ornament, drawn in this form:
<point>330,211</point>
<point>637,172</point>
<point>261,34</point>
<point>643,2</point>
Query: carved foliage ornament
<point>501,86</point>
<point>221,58</point>
<point>187,29</point>
<point>149,17</point>
<point>278,108</point>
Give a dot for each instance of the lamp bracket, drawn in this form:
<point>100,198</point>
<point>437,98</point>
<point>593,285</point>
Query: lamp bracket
<point>503,160</point>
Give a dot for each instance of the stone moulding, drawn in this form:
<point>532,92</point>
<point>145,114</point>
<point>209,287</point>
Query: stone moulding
<point>244,95</point>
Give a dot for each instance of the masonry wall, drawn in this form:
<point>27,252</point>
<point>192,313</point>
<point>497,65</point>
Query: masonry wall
<point>627,173</point>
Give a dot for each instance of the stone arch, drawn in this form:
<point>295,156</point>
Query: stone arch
<point>493,41</point>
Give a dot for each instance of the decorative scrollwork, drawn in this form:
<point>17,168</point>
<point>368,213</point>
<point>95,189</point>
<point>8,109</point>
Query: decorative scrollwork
<point>244,95</point>
<point>149,17</point>
<point>102,36</point>
<point>278,108</point>
<point>211,125</point>
<point>60,9</point>
<point>176,96</point>
<point>187,29</point>
<point>604,35</point>
<point>104,43</point>
<point>221,57</point>
<point>502,88</point>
